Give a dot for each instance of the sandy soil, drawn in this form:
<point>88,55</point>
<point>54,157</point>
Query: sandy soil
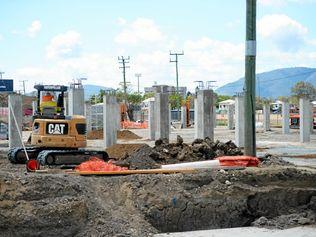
<point>122,134</point>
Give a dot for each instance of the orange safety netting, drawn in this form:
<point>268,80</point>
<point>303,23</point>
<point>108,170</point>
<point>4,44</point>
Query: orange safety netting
<point>248,161</point>
<point>128,124</point>
<point>96,164</point>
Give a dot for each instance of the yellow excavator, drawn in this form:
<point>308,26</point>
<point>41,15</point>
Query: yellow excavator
<point>56,139</point>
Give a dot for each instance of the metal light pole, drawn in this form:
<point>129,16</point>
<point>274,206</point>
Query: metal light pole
<point>250,79</point>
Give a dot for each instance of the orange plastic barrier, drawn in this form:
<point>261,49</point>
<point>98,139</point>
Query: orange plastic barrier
<point>96,164</point>
<point>128,124</point>
<point>248,161</point>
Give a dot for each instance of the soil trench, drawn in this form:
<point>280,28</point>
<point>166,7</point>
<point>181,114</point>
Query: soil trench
<point>60,204</point>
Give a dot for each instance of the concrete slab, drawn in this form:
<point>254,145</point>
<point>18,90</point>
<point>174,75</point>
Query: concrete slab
<point>246,232</point>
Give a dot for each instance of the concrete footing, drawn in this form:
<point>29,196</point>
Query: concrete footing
<point>266,117</point>
<point>285,118</point>
<point>162,115</point>
<point>76,101</point>
<point>230,117</point>
<point>151,120</point>
<point>15,109</point>
<point>109,117</point>
<point>183,116</point>
<point>204,109</point>
<point>305,120</point>
<point>240,122</point>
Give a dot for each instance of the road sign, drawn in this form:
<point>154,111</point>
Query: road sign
<point>6,85</point>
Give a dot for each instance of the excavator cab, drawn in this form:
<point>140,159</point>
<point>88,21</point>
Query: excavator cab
<point>50,101</point>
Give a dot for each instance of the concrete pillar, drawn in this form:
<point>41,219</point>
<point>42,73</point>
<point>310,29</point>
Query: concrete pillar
<point>118,119</point>
<point>170,116</point>
<point>151,120</point>
<point>195,112</point>
<point>230,117</point>
<point>240,121</point>
<point>34,107</point>
<point>214,109</point>
<point>183,116</point>
<point>285,117</point>
<point>266,117</point>
<point>15,108</point>
<point>109,117</point>
<point>204,124</point>
<point>66,105</point>
<point>163,115</point>
<point>76,101</point>
<point>214,116</point>
<point>87,114</point>
<point>312,117</point>
<point>305,120</point>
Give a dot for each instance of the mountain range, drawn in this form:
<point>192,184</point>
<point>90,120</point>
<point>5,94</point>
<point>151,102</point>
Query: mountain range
<point>273,83</point>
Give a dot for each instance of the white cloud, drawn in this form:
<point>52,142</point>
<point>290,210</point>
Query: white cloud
<point>100,69</point>
<point>210,59</point>
<point>121,21</point>
<point>140,30</point>
<point>35,27</point>
<point>233,24</point>
<point>279,3</point>
<point>286,33</point>
<point>64,45</point>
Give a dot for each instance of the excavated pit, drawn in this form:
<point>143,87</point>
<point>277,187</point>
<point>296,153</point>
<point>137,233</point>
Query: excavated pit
<point>59,204</point>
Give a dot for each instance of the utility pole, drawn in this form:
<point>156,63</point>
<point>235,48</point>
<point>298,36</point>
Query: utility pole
<point>1,73</point>
<point>124,61</point>
<point>23,82</point>
<point>138,75</point>
<point>250,79</point>
<point>177,78</point>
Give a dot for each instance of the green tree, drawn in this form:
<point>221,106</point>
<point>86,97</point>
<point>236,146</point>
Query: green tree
<point>303,89</point>
<point>221,98</point>
<point>148,95</point>
<point>173,100</point>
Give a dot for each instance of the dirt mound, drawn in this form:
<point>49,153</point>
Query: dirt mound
<point>286,221</point>
<point>95,134</point>
<point>171,153</point>
<point>123,134</point>
<point>127,135</point>
<point>120,151</point>
<point>271,160</point>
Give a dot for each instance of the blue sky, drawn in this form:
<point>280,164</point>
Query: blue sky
<point>56,41</point>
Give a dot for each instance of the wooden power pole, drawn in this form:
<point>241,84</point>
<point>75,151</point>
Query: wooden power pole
<point>250,79</point>
<point>177,79</point>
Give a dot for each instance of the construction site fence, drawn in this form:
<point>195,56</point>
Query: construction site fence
<point>130,125</point>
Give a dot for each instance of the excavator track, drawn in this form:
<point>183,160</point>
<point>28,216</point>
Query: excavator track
<point>17,155</point>
<point>49,156</point>
<point>68,157</point>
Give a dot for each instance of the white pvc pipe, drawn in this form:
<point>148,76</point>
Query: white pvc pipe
<point>193,165</point>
